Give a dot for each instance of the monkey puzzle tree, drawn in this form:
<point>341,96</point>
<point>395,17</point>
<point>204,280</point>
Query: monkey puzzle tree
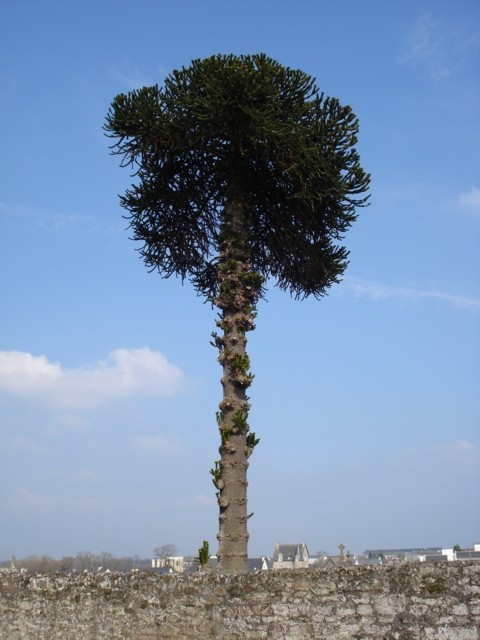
<point>245,172</point>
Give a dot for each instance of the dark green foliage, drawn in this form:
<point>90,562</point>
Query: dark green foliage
<point>245,125</point>
<point>203,554</point>
<point>252,440</point>
<point>216,472</point>
<point>239,420</point>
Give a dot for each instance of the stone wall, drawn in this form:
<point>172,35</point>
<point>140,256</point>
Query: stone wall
<point>407,602</point>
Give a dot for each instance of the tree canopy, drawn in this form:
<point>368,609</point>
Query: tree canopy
<point>249,124</point>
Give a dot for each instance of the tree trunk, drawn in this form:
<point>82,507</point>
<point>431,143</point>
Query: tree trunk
<point>239,289</point>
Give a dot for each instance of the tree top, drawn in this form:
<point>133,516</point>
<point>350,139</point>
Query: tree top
<point>248,129</point>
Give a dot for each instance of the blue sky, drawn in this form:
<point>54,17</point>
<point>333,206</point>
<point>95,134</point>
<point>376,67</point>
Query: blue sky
<point>367,402</point>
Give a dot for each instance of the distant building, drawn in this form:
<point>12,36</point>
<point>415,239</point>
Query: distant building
<point>258,564</point>
<point>420,554</point>
<point>296,556</point>
<point>290,556</point>
<point>174,564</point>
<point>473,553</point>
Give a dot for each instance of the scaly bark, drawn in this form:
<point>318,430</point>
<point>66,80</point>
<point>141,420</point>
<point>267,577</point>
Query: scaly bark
<point>239,289</point>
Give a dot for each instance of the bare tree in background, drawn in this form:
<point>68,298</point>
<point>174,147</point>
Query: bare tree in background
<point>165,551</point>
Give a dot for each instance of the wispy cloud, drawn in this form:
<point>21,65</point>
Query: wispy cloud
<point>438,47</point>
<point>380,291</point>
<point>158,445</point>
<point>26,499</point>
<point>67,422</point>
<point>204,500</point>
<point>80,476</point>
<point>131,77</point>
<point>460,452</point>
<point>470,201</point>
<point>198,500</point>
<point>24,216</point>
<point>22,444</point>
<point>125,373</point>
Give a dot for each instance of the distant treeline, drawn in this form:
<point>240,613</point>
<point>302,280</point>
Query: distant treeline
<point>82,561</point>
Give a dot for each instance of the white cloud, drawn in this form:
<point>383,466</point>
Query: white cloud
<point>470,201</point>
<point>126,372</point>
<point>162,445</point>
<point>378,291</point>
<point>22,371</point>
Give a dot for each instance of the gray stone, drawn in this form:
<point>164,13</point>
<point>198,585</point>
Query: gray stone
<point>409,602</point>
